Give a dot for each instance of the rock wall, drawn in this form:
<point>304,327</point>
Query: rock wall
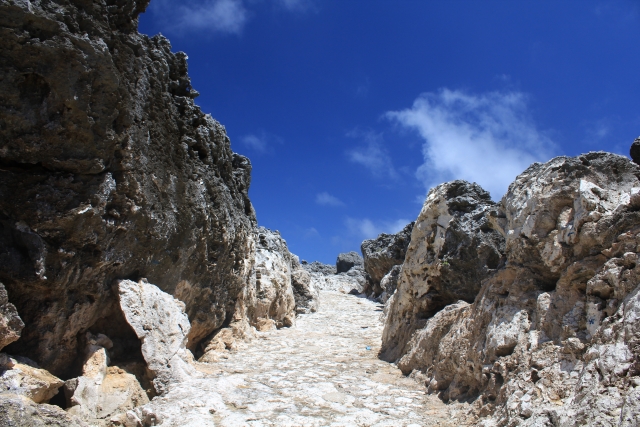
<point>551,336</point>
<point>382,254</point>
<point>108,171</point>
<point>452,249</point>
<point>347,276</point>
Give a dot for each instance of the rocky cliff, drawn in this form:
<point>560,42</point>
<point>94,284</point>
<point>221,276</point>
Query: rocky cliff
<point>108,170</point>
<point>528,308</point>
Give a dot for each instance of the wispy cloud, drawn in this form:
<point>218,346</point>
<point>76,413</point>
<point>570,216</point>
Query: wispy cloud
<point>216,16</point>
<point>488,138</point>
<point>261,142</point>
<point>297,5</point>
<point>364,228</point>
<point>373,155</point>
<point>326,199</point>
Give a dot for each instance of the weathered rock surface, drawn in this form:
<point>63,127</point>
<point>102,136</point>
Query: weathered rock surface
<point>10,322</point>
<point>552,337</point>
<point>21,376</point>
<point>384,252</point>
<point>307,296</point>
<point>161,324</point>
<point>452,249</point>
<point>318,267</point>
<point>325,277</point>
<point>109,171</point>
<point>346,261</point>
<point>17,410</point>
<point>389,283</point>
<point>270,294</point>
<point>102,391</point>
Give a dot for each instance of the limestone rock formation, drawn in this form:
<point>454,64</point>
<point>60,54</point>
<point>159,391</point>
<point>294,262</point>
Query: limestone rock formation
<point>17,410</point>
<point>346,261</point>
<point>22,376</point>
<point>161,324</point>
<point>326,277</point>
<point>270,294</point>
<point>10,323</point>
<point>305,293</point>
<point>102,391</point>
<point>452,249</point>
<point>384,252</point>
<point>551,338</point>
<point>110,171</point>
<point>389,283</point>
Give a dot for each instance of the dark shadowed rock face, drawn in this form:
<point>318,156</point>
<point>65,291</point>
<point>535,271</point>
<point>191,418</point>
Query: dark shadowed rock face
<point>346,261</point>
<point>634,151</point>
<point>382,253</point>
<point>108,170</point>
<point>452,249</point>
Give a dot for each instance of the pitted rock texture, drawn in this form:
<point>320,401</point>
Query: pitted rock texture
<point>318,267</point>
<point>325,277</point>
<point>321,372</point>
<point>162,326</point>
<point>22,376</point>
<point>383,253</point>
<point>270,294</point>
<point>552,337</point>
<point>346,261</point>
<point>305,293</point>
<point>108,171</point>
<point>11,324</point>
<point>452,249</point>
<point>17,410</point>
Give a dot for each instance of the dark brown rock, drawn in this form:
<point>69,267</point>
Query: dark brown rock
<point>108,171</point>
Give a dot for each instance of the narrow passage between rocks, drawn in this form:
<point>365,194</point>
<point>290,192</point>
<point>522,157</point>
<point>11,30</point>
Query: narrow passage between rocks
<point>324,371</point>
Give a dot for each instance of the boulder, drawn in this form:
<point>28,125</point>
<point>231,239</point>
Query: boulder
<point>453,248</point>
<point>102,391</point>
<point>160,322</point>
<point>10,323</point>
<point>18,410</point>
<point>22,376</point>
<point>305,293</point>
<point>384,252</point>
<point>110,171</point>
<point>346,261</point>
<point>270,294</point>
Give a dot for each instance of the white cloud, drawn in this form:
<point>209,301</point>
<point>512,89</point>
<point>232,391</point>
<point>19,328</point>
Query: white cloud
<point>364,228</point>
<point>261,142</point>
<point>326,199</point>
<point>221,16</point>
<point>254,143</point>
<point>488,139</point>
<point>373,155</point>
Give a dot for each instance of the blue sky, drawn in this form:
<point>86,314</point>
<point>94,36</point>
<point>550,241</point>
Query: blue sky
<point>351,110</point>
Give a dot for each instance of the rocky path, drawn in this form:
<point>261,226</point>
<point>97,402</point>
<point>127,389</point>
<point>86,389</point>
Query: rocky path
<point>322,372</point>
